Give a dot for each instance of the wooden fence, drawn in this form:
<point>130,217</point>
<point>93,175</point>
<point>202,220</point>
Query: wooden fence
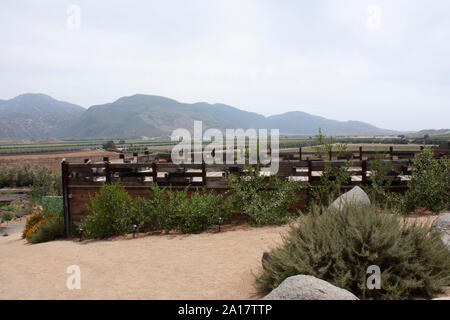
<point>138,173</point>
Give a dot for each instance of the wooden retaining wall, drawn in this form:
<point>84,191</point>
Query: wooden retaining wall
<point>138,173</point>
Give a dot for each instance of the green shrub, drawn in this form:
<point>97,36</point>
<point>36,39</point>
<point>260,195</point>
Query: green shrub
<point>45,183</point>
<point>45,225</point>
<point>160,204</point>
<point>113,212</point>
<point>429,186</point>
<point>378,184</point>
<point>198,212</point>
<point>47,231</point>
<point>339,246</point>
<point>35,218</point>
<point>108,209</point>
<point>175,210</point>
<point>330,184</point>
<point>42,180</point>
<point>263,200</point>
<point>15,176</point>
<point>6,217</point>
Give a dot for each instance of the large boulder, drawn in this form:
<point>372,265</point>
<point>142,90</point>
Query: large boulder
<point>442,225</point>
<point>355,196</point>
<point>306,287</point>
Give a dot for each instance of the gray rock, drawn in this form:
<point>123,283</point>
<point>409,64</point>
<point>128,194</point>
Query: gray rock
<point>306,287</point>
<point>355,196</point>
<point>442,225</point>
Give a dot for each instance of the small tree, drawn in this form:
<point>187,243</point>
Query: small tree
<point>6,217</point>
<point>429,186</point>
<point>110,145</point>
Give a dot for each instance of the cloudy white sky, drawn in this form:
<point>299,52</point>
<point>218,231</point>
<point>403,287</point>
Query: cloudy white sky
<point>383,62</point>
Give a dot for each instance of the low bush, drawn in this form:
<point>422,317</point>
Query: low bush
<point>16,176</point>
<point>113,212</point>
<point>198,212</point>
<point>45,183</point>
<point>6,217</point>
<point>429,186</point>
<point>45,225</point>
<point>47,230</point>
<point>377,189</point>
<point>30,225</point>
<point>108,209</point>
<point>330,184</point>
<point>261,199</point>
<point>339,246</point>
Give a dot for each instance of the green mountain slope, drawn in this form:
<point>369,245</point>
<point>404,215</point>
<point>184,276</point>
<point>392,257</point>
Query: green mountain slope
<point>154,116</point>
<point>34,116</point>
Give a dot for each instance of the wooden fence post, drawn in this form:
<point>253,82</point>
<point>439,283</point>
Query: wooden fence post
<point>330,155</point>
<point>66,203</point>
<point>309,170</point>
<point>364,171</point>
<point>308,192</point>
<point>107,171</point>
<point>154,172</point>
<point>300,153</point>
<point>203,173</point>
<point>360,153</point>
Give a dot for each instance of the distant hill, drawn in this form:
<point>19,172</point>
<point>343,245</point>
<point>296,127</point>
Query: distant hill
<point>38,116</point>
<point>432,132</point>
<point>297,122</point>
<point>155,116</point>
<point>34,116</point>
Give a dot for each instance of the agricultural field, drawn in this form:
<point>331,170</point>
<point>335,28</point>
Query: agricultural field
<point>28,147</point>
<point>53,160</point>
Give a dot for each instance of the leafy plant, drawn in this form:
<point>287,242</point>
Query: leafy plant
<point>197,212</point>
<point>324,146</point>
<point>113,212</point>
<point>378,184</point>
<point>263,200</point>
<point>429,186</point>
<point>108,209</point>
<point>339,246</point>
<point>45,183</point>
<point>30,225</point>
<point>331,181</point>
<point>16,176</point>
<point>47,230</point>
<point>6,217</point>
<point>109,145</point>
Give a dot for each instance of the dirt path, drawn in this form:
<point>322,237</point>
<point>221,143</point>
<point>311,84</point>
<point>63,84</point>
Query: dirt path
<point>203,266</point>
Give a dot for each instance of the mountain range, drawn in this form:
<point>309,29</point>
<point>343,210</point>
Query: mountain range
<point>37,116</point>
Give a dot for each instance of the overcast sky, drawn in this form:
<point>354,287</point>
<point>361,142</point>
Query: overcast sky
<point>383,62</point>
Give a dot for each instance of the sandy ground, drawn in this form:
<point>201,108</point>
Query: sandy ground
<point>202,266</point>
